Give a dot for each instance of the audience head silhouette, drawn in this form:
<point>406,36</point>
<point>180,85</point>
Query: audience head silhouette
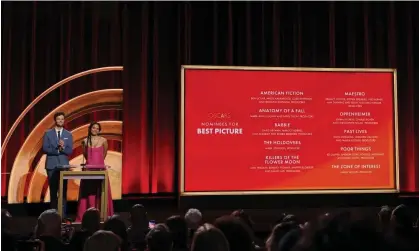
<point>343,230</point>
<point>91,220</point>
<point>401,218</point>
<point>159,239</point>
<point>209,238</point>
<point>179,230</point>
<point>237,233</point>
<point>193,218</point>
<point>278,232</point>
<point>103,241</point>
<point>117,226</point>
<point>242,215</point>
<point>49,224</point>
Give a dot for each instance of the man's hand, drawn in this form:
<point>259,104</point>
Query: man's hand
<point>61,144</point>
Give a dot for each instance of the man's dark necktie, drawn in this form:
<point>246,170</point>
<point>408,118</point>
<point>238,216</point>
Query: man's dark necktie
<point>59,137</point>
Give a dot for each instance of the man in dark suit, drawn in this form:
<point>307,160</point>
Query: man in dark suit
<point>58,146</point>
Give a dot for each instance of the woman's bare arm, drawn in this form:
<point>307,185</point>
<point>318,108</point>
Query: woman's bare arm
<point>84,146</point>
<point>105,148</point>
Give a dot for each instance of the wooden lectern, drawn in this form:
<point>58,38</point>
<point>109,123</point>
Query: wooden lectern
<point>86,174</point>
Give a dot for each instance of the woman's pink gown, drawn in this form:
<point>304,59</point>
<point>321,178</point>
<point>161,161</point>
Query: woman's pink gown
<point>89,194</point>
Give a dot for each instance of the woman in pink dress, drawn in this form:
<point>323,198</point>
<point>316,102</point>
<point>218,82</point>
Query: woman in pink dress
<point>94,150</point>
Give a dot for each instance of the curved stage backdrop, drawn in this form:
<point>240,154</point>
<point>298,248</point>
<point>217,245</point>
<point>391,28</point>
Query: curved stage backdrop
<point>44,43</point>
<point>31,183</point>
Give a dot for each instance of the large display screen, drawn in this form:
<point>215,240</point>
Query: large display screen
<point>278,130</point>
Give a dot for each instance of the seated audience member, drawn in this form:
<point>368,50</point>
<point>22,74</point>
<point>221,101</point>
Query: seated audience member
<point>327,233</point>
<point>117,226</point>
<point>278,220</point>
<point>363,236</point>
<point>193,219</point>
<point>341,221</point>
<point>103,241</point>
<point>401,219</point>
<point>8,240</point>
<point>48,230</point>
<point>139,227</point>
<point>289,240</point>
<point>243,216</point>
<point>335,227</point>
<point>30,245</point>
<point>209,238</point>
<point>237,233</point>
<point>159,239</point>
<point>402,235</point>
<point>384,218</point>
<point>90,224</point>
<point>278,233</point>
<point>179,231</point>
<point>290,218</point>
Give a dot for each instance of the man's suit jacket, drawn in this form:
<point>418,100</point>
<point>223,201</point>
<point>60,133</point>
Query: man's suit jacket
<point>50,148</point>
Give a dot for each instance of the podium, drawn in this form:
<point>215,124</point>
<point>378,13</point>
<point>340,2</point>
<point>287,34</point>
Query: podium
<point>88,172</point>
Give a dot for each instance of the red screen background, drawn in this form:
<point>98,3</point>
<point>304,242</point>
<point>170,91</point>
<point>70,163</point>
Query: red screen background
<point>222,162</point>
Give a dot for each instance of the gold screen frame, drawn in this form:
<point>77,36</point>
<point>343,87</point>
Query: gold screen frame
<point>249,68</point>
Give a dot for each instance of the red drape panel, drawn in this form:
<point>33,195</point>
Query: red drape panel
<point>152,40</point>
<point>151,78</point>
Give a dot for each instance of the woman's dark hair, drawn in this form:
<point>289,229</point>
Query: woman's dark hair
<point>242,215</point>
<point>289,240</point>
<point>91,220</point>
<point>117,226</point>
<point>278,232</point>
<point>103,240</point>
<point>209,238</point>
<point>401,217</point>
<point>179,230</point>
<point>236,232</point>
<point>159,238</point>
<point>89,135</point>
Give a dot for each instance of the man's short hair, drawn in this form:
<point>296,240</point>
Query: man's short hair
<point>290,218</point>
<point>385,213</point>
<point>401,215</point>
<point>209,238</point>
<point>138,210</point>
<point>242,215</point>
<point>138,206</point>
<point>159,238</point>
<point>193,216</point>
<point>49,216</point>
<point>49,221</point>
<point>91,220</point>
<point>236,231</point>
<point>104,241</point>
<point>58,114</point>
